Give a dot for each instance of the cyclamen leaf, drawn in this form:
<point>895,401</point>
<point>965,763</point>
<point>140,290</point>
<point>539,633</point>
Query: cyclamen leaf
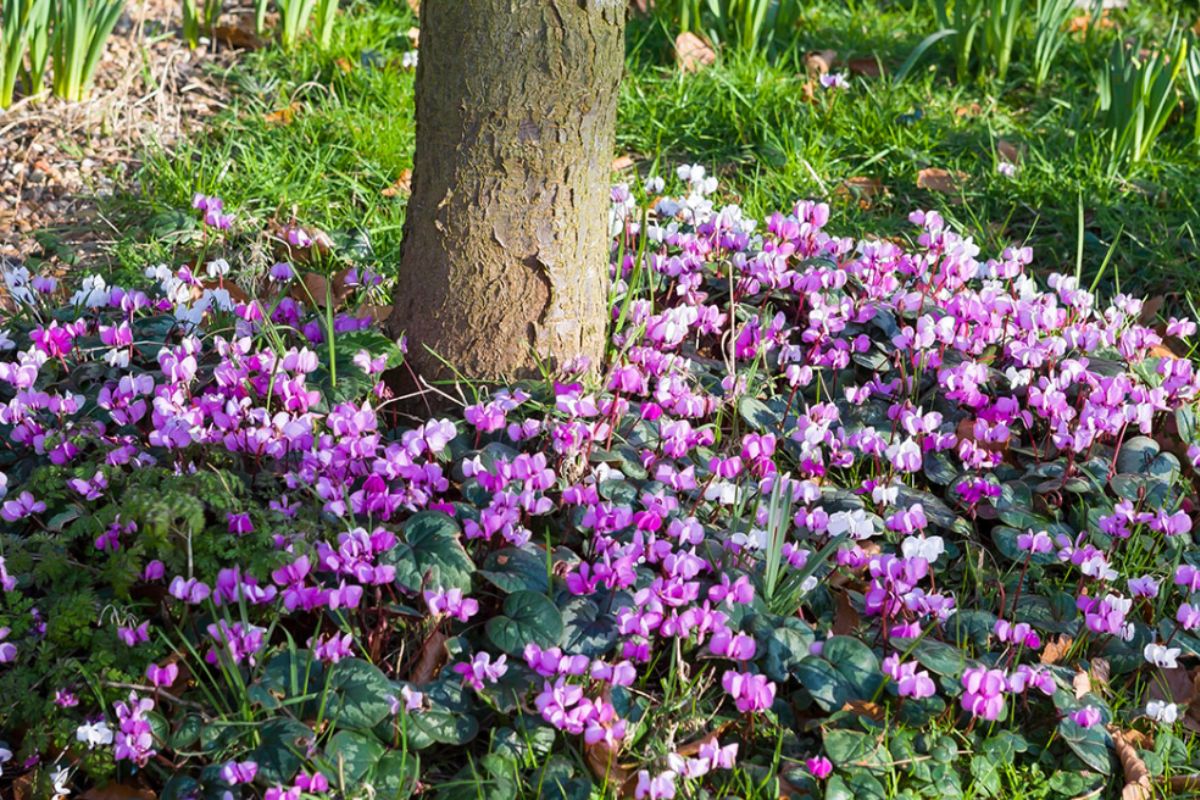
<point>528,617</point>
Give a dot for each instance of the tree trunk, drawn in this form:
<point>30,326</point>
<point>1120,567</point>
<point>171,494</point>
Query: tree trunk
<point>505,255</point>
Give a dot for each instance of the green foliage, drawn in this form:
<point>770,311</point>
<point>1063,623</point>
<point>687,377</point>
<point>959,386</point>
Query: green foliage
<point>199,20</point>
<point>1138,94</point>
<point>81,28</point>
<point>746,26</point>
<point>24,28</point>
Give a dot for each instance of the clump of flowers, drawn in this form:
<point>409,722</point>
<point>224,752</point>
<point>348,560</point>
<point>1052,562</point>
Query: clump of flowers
<point>818,476</point>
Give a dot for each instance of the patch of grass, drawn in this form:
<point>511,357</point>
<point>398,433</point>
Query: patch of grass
<point>320,134</point>
<point>312,135</point>
<point>772,141</point>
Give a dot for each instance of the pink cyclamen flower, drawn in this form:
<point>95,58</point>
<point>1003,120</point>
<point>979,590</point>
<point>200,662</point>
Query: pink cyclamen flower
<point>820,767</point>
<point>481,669</point>
<point>751,692</point>
<point>1086,717</point>
<point>162,677</point>
<point>235,772</point>
<point>24,506</point>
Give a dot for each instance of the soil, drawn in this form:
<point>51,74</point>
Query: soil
<point>57,159</point>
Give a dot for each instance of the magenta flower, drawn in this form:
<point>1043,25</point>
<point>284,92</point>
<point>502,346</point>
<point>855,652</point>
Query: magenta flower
<point>751,693</point>
<point>162,677</point>
<point>820,767</point>
<point>24,506</point>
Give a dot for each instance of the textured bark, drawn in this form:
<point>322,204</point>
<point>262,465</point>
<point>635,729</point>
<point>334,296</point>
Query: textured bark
<point>505,256</point>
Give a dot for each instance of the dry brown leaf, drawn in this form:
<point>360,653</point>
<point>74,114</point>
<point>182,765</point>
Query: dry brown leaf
<point>940,180</point>
<point>973,110</point>
<point>117,791</point>
<point>1082,23</point>
<point>235,291</point>
<point>860,188</point>
<point>1184,783</point>
<point>1056,648</point>
<point>820,62</point>
<point>1150,308</point>
<point>867,66</point>
<point>845,618</point>
<point>1100,670</point>
<point>316,289</point>
<point>622,163</point>
<point>693,53</point>
<point>693,747</point>
<point>401,186</point>
<point>433,657</point>
<point>414,38</point>
<point>865,708</point>
<point>240,35</point>
<point>808,91</point>
<point>285,115</point>
<point>1008,152</point>
<point>1137,776</point>
<point>1082,684</point>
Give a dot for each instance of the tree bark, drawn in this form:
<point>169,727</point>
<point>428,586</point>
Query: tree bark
<point>505,254</point>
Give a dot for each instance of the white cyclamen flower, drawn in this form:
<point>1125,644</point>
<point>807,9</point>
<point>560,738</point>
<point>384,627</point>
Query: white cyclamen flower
<point>1161,656</point>
<point>1161,711</point>
<point>94,734</point>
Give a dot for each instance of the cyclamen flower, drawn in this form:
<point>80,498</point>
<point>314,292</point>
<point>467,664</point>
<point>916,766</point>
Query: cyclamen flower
<point>132,637</point>
<point>235,772</point>
<point>162,677</point>
<point>1161,656</point>
<point>452,603</point>
<point>984,695</point>
<point>239,524</point>
<point>134,740</point>
<point>1162,712</point>
<point>660,787</point>
<point>835,80</point>
<point>94,734</point>
<point>1086,717</point>
<point>1035,543</point>
<point>751,692</point>
<point>24,506</point>
<point>332,649</point>
<point>820,767</point>
<point>8,650</point>
<point>481,669</point>
<point>909,681</point>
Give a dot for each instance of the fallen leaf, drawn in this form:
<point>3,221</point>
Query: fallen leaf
<point>622,163</point>
<point>865,65</point>
<point>344,64</point>
<point>940,180</point>
<point>845,617</point>
<point>433,657</point>
<point>1184,783</point>
<point>1137,776</point>
<point>235,291</point>
<point>285,115</point>
<point>1150,308</point>
<point>117,791</point>
<point>693,747</point>
<point>1056,648</point>
<point>1008,152</point>
<point>1180,689</point>
<point>1082,23</point>
<point>693,53</point>
<point>317,289</point>
<point>808,91</point>
<point>820,61</point>
<point>860,188</point>
<point>240,35</point>
<point>1100,671</point>
<point>414,38</point>
<point>1082,684</point>
<point>865,708</point>
<point>973,110</point>
<point>401,186</point>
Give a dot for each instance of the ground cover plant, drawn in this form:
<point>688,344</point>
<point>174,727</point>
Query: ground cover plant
<point>874,518</point>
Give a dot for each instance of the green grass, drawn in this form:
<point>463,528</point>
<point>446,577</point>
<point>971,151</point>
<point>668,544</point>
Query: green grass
<point>746,118</point>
